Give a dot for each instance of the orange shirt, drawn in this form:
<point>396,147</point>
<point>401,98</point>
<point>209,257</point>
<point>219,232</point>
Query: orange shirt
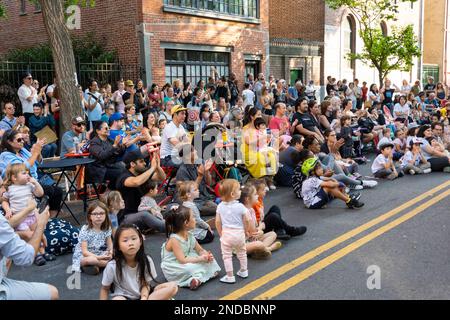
<point>259,209</point>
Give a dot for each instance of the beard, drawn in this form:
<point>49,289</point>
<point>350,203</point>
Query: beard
<point>140,170</point>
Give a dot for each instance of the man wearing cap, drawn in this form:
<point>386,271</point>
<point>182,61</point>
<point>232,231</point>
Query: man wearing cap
<point>27,95</point>
<point>173,135</point>
<point>130,183</point>
<point>74,139</point>
<point>128,96</point>
<point>9,121</point>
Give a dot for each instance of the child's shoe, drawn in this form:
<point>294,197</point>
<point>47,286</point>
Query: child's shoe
<point>277,245</point>
<point>412,172</point>
<point>227,279</point>
<point>427,170</point>
<point>242,274</point>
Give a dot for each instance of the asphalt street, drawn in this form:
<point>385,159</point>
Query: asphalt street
<point>404,254</point>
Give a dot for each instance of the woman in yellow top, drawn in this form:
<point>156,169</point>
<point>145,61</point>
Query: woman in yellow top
<point>257,163</point>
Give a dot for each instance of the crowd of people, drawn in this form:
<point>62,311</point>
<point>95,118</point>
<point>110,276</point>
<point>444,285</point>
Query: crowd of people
<point>280,135</point>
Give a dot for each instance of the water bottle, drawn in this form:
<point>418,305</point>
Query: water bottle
<point>76,142</point>
<point>224,137</point>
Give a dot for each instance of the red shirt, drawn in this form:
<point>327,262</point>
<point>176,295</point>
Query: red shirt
<point>259,209</point>
<point>275,124</point>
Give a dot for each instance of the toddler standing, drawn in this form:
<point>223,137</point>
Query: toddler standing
<point>231,224</point>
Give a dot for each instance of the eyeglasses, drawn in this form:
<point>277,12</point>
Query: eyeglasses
<point>29,78</point>
<point>19,140</point>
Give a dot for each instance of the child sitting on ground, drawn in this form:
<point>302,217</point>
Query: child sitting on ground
<point>316,193</point>
<point>94,247</point>
<point>414,162</point>
<point>115,204</point>
<point>148,202</point>
<point>132,272</point>
<point>386,138</point>
<point>272,221</point>
<point>399,144</point>
<point>183,260</point>
<point>383,166</point>
<point>299,177</point>
<point>188,192</point>
<point>259,245</point>
<point>231,224</point>
<point>20,187</point>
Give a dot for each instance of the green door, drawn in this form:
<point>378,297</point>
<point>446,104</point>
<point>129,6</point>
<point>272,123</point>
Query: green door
<point>296,74</point>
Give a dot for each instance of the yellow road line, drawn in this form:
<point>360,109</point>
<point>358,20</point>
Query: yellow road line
<point>325,247</point>
<point>308,272</point>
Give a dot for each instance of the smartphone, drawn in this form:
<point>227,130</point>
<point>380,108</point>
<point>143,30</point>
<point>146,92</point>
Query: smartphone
<point>43,204</point>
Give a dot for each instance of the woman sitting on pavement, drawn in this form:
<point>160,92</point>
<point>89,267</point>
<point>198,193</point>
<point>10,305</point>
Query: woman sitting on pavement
<point>14,152</point>
<point>438,160</point>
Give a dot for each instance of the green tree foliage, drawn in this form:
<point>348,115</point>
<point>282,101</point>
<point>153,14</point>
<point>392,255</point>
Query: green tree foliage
<point>395,51</point>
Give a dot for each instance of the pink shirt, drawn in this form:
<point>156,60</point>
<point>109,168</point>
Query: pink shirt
<point>275,124</point>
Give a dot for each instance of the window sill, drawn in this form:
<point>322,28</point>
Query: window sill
<point>210,14</point>
<point>22,14</point>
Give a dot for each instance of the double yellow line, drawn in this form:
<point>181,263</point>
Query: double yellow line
<point>285,285</point>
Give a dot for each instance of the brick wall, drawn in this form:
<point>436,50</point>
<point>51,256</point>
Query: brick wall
<point>113,24</point>
<point>242,38</point>
<point>303,19</point>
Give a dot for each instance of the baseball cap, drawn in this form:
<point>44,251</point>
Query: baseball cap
<point>177,108</point>
<point>386,145</point>
<point>415,141</point>
<point>132,156</point>
<point>413,126</point>
<point>129,83</point>
<point>116,116</point>
<point>78,120</point>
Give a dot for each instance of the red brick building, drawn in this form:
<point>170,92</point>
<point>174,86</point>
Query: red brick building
<point>169,39</point>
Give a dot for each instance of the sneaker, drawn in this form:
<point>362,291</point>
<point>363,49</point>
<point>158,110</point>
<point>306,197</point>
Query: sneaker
<point>356,187</point>
<point>355,195</point>
<point>392,176</point>
<point>261,255</point>
<point>411,172</point>
<point>427,170</point>
<point>369,184</point>
<point>272,187</point>
<point>39,260</point>
<point>282,235</point>
<point>195,283</point>
<point>277,245</point>
<point>267,189</point>
<point>227,279</point>
<point>446,170</point>
<point>91,270</point>
<point>242,274</point>
<point>297,231</point>
<point>354,204</point>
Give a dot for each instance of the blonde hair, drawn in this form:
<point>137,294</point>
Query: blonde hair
<point>184,188</point>
<point>226,187</point>
<point>113,198</point>
<point>13,170</point>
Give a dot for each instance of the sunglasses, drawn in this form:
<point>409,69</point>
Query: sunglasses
<point>80,124</point>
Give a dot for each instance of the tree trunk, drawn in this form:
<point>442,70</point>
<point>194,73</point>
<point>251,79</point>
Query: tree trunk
<point>380,78</point>
<point>64,61</point>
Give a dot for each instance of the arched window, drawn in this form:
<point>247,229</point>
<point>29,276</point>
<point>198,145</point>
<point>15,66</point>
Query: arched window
<point>384,28</point>
<point>349,35</point>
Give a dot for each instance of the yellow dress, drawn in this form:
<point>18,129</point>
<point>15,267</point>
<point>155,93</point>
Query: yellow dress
<point>259,164</point>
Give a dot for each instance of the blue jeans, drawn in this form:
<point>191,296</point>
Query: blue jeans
<point>49,150</point>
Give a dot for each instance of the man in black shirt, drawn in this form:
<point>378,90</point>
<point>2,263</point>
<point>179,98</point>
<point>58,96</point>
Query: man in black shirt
<point>128,96</point>
<point>430,86</point>
<point>130,184</point>
<point>303,123</point>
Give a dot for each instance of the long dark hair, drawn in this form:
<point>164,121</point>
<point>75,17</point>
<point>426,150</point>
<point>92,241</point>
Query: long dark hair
<point>176,218</point>
<point>8,137</point>
<point>143,265</point>
<point>249,114</point>
<point>97,126</point>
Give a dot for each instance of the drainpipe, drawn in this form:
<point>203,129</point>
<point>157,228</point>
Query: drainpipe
<point>145,53</point>
<point>444,66</point>
<point>421,35</point>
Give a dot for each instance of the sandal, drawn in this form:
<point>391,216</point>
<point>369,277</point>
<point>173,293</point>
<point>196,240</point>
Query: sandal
<point>39,260</point>
<point>49,256</point>
<point>195,283</point>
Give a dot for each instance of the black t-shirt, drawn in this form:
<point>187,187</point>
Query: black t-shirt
<point>131,196</point>
<point>388,95</point>
<point>305,120</point>
<point>126,96</point>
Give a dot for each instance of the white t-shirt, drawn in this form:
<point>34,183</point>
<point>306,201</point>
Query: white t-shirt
<point>378,163</point>
<point>408,157</point>
<point>129,284</point>
<point>404,109</point>
<point>371,94</point>
<point>50,89</point>
<point>399,142</point>
<point>24,92</point>
<point>248,96</point>
<point>425,145</point>
<point>171,131</point>
<point>232,214</point>
<point>310,189</point>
